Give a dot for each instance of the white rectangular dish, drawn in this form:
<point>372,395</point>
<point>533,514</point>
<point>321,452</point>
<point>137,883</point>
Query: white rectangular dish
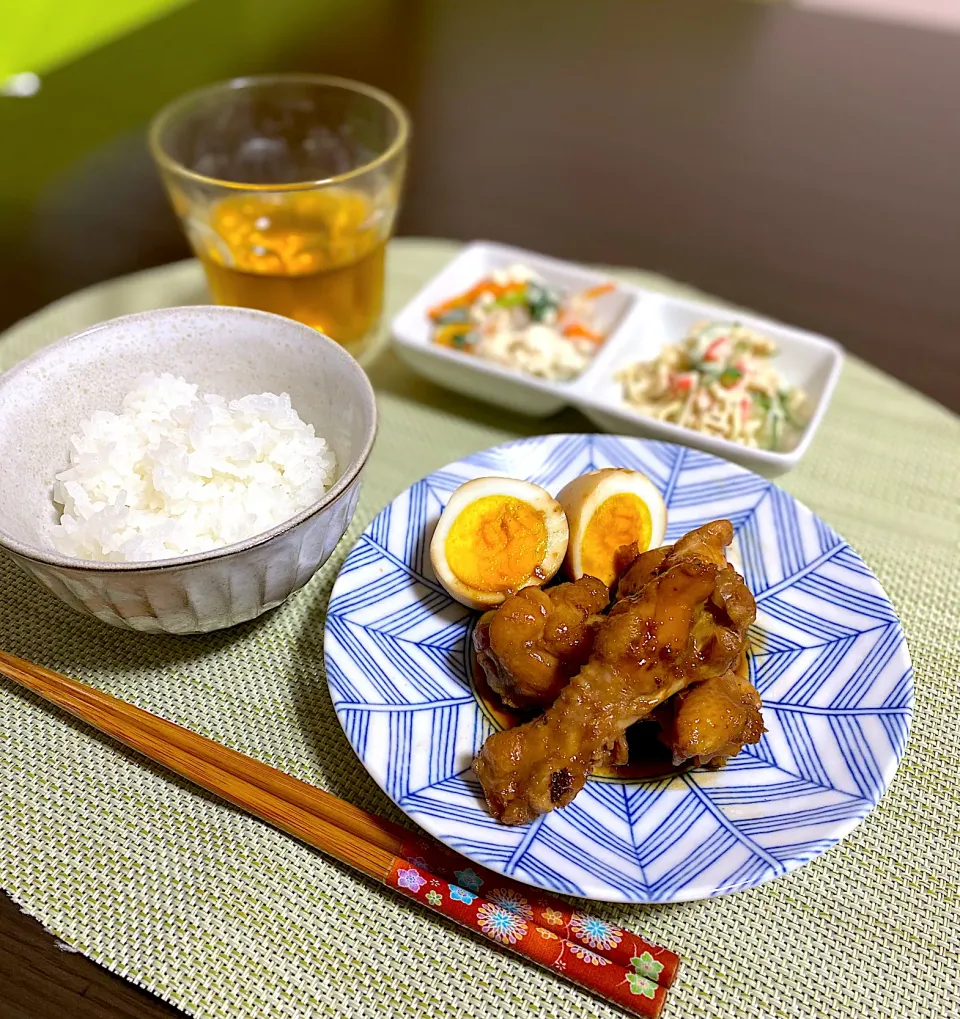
<point>638,323</point>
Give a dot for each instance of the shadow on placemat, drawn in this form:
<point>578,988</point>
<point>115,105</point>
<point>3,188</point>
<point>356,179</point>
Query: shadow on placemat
<point>343,773</point>
<point>391,376</point>
<point>37,626</point>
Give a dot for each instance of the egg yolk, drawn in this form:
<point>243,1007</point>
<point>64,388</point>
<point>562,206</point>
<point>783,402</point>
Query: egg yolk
<point>618,520</point>
<point>496,543</point>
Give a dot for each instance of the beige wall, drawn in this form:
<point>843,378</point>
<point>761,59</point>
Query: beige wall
<point>937,13</point>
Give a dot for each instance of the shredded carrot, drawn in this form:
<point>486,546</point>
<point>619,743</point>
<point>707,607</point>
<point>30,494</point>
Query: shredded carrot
<point>575,329</point>
<point>469,296</point>
<point>599,290</point>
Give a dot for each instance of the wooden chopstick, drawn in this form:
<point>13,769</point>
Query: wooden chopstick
<point>375,846</point>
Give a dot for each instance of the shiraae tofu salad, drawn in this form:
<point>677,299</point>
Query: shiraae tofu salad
<point>515,319</point>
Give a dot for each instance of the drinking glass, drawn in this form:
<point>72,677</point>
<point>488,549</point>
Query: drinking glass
<point>287,187</point>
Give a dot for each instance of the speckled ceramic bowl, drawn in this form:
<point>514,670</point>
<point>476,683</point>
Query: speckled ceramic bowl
<point>230,351</point>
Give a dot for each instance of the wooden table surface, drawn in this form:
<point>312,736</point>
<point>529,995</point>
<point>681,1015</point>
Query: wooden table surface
<point>800,163</point>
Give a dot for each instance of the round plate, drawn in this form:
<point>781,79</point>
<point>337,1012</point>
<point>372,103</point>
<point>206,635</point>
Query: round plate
<point>828,657</point>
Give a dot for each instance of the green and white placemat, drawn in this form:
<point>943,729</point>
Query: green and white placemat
<point>223,916</point>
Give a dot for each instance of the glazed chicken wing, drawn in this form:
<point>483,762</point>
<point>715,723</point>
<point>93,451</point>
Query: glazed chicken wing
<point>686,624</point>
<point>536,640</point>
<point>706,544</point>
<point>637,569</point>
<point>713,720</point>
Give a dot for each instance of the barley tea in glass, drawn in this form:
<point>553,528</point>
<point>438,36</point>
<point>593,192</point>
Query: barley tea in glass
<point>288,187</point>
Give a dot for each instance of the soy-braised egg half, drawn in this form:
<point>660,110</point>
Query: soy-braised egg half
<point>607,509</point>
<point>496,536</point>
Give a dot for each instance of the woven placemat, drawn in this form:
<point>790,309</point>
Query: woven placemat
<point>223,916</point>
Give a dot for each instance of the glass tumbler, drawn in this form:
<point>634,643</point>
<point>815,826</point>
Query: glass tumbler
<point>287,187</point>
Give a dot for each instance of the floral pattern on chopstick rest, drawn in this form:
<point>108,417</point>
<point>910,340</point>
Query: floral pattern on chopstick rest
<point>506,917</point>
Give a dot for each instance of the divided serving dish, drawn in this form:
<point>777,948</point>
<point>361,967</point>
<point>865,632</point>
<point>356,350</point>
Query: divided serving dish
<point>638,323</point>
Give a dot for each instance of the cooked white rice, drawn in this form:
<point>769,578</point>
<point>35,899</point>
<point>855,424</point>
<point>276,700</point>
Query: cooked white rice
<point>178,472</point>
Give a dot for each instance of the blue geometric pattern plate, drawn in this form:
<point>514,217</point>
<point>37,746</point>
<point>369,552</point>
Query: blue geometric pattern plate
<point>828,657</point>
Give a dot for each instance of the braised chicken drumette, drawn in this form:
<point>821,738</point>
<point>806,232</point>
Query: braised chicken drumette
<point>536,640</point>
<point>709,722</point>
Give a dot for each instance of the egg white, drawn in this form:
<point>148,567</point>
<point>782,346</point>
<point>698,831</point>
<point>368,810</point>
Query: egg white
<point>583,496</point>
